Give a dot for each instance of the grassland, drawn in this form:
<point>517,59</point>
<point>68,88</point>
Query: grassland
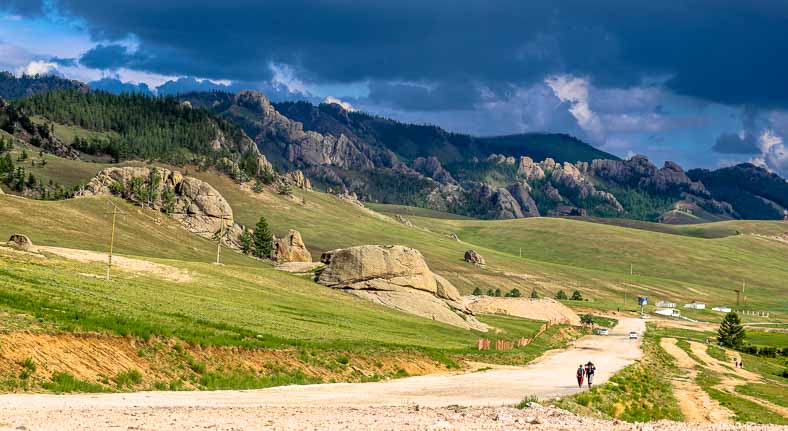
<point>702,262</point>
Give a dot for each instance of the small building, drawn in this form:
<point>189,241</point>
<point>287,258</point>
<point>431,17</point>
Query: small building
<point>666,304</point>
<point>672,312</point>
<point>722,309</point>
<point>695,305</point>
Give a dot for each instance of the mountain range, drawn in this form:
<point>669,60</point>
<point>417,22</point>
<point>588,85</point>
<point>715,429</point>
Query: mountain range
<point>381,160</point>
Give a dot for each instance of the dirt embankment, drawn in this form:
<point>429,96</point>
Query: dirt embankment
<point>98,358</point>
<point>537,309</point>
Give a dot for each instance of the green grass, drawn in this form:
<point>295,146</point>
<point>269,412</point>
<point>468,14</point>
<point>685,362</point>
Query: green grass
<point>240,379</point>
<point>404,210</point>
<point>128,379</point>
<point>759,338</point>
<point>66,382</point>
<point>772,393</point>
<point>638,393</point>
<point>604,322</point>
<point>745,410</point>
<point>683,265</point>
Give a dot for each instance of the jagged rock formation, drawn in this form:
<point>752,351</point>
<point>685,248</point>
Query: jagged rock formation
<point>472,256</point>
<point>397,277</point>
<point>432,168</point>
<point>21,242</point>
<point>193,202</point>
<point>291,248</point>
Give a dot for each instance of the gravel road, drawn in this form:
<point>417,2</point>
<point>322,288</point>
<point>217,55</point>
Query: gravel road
<point>550,376</point>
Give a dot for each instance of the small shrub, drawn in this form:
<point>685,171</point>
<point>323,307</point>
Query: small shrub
<point>477,292</point>
<point>66,382</point>
<point>28,365</point>
<point>127,379</point>
<point>527,400</point>
<point>344,360</point>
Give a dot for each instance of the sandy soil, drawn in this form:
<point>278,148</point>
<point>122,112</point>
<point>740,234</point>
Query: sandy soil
<point>695,403</point>
<point>539,309</point>
<point>550,376</point>
<point>120,262</point>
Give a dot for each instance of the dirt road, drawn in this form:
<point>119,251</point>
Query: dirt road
<point>550,376</point>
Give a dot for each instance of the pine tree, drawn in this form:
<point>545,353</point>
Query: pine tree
<point>576,296</point>
<point>498,292</point>
<point>561,295</point>
<point>247,241</point>
<point>534,295</point>
<point>490,292</point>
<point>731,333</point>
<point>477,292</point>
<point>263,240</point>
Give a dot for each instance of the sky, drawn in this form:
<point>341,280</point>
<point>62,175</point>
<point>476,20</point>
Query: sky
<point>703,83</point>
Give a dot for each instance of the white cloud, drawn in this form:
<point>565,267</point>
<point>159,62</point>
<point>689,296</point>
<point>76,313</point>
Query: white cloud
<point>574,91</point>
<point>39,67</point>
<point>284,76</point>
<point>345,105</point>
<point>774,155</point>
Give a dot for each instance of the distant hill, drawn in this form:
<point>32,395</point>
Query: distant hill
<point>12,87</point>
<point>381,160</point>
<point>754,192</point>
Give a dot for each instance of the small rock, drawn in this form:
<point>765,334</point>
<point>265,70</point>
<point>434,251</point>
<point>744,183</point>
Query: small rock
<point>472,256</point>
<point>21,242</point>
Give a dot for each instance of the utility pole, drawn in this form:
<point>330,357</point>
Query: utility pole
<point>114,213</point>
<point>521,252</point>
<point>221,235</point>
<point>630,269</point>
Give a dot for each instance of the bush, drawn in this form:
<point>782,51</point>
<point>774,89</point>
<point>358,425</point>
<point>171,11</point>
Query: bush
<point>514,293</point>
<point>561,295</point>
<point>498,292</point>
<point>128,378</point>
<point>490,292</point>
<point>477,292</point>
<point>534,295</point>
<point>576,296</point>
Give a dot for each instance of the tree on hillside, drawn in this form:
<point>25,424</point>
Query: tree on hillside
<point>534,295</point>
<point>477,292</point>
<point>514,293</point>
<point>576,296</point>
<point>561,295</point>
<point>263,240</point>
<point>498,292</point>
<point>247,242</point>
<point>731,333</point>
<point>587,319</point>
<point>490,292</point>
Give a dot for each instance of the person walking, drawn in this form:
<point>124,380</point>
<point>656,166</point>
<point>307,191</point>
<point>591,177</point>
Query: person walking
<point>590,370</point>
<point>580,374</point>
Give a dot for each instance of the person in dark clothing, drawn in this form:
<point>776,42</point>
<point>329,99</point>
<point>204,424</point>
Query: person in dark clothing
<point>590,370</point>
<point>580,374</point>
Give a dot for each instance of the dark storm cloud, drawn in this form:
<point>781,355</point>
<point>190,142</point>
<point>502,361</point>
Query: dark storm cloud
<point>732,143</point>
<point>109,57</point>
<point>415,97</point>
<point>733,52</point>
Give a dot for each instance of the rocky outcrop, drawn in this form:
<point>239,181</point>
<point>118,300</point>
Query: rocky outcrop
<point>529,170</point>
<point>193,202</point>
<point>297,179</point>
<point>306,148</point>
<point>17,123</point>
<point>291,248</point>
<point>403,220</point>
<point>521,192</point>
<point>472,256</point>
<point>397,277</point>
<point>21,242</point>
<point>431,167</point>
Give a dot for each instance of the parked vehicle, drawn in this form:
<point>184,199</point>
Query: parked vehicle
<point>602,331</point>
<point>633,335</point>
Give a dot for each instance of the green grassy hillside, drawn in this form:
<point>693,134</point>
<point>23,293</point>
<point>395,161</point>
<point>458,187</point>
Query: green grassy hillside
<point>703,262</point>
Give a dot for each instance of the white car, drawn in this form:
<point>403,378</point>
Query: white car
<point>602,331</point>
<point>633,335</point>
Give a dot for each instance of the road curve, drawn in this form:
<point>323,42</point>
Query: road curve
<point>551,375</point>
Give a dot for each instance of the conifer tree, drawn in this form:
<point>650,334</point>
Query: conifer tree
<point>263,240</point>
<point>731,333</point>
